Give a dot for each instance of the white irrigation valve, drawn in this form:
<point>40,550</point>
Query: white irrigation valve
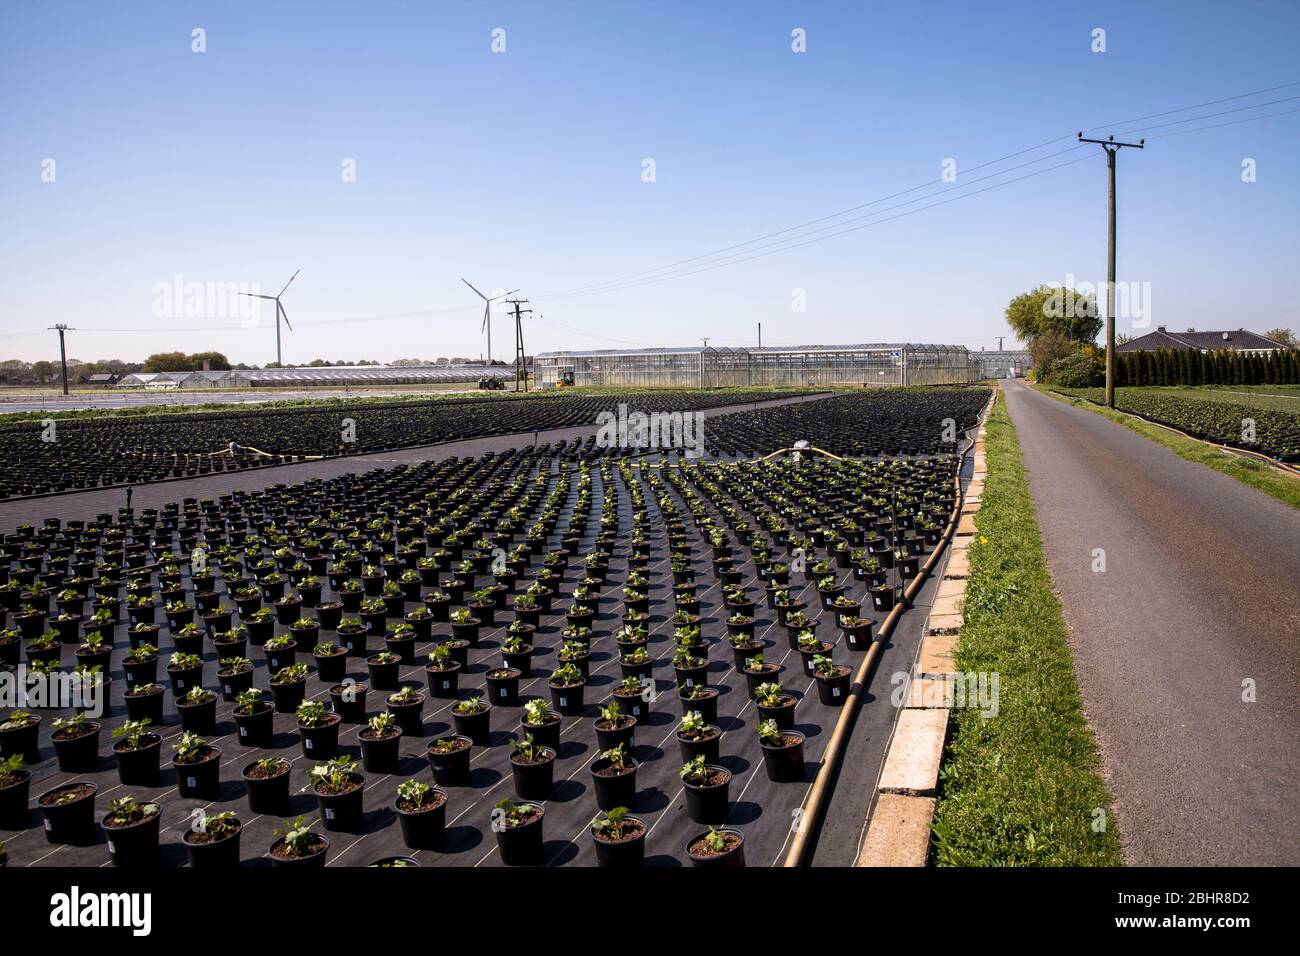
<point>800,446</point>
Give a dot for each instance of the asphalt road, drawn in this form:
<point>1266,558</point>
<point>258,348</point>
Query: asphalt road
<point>1185,645</point>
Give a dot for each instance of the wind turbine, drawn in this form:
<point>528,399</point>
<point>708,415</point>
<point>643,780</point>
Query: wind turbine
<point>279,312</point>
<point>487,313</point>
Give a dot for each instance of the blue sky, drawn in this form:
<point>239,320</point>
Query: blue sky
<point>525,169</point>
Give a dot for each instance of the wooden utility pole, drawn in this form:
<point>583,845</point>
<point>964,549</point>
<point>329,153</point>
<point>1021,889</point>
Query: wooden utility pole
<point>1111,147</point>
<point>63,353</point>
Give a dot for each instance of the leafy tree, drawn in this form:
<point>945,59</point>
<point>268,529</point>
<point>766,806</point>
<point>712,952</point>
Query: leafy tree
<point>1283,337</point>
<point>216,361</point>
<point>168,362</point>
<point>1068,312</point>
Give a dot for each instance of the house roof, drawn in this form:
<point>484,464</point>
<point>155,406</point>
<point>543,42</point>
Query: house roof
<point>1237,339</point>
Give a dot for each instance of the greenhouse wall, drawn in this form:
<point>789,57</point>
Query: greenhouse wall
<point>796,366</point>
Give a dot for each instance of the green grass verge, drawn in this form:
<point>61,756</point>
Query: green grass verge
<point>1277,484</point>
<point>1022,788</point>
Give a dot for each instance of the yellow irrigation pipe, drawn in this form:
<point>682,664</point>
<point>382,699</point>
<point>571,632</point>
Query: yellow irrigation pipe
<point>820,451</point>
<point>821,787</point>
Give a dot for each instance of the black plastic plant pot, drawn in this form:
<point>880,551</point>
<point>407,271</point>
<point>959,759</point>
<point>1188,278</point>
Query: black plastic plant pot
<point>424,829</point>
<point>568,700</point>
<point>356,641</point>
<point>314,859</point>
<point>833,690</point>
<point>13,802</point>
<point>708,804</point>
<point>546,734</point>
<point>459,651</point>
<point>380,754</point>
<point>200,779</point>
<point>375,622</point>
<point>706,704</point>
<point>321,742</point>
<point>213,854</point>
<point>784,764</point>
<point>614,788</point>
<point>268,795</point>
<point>628,853</point>
<point>286,612</point>
<point>22,740</point>
<point>744,652</point>
<point>231,648</point>
<point>135,845</point>
<point>692,676</point>
<point>349,700</point>
<point>69,813</point>
<point>808,655</point>
<point>256,729</point>
<point>466,632</point>
<point>521,661</point>
<point>329,615</point>
<point>522,845</point>
<point>882,598</point>
<point>451,768</point>
<point>342,811</point>
<point>288,695</point>
<point>332,669</point>
<point>200,718</point>
<point>503,686</point>
<point>78,754</point>
<point>410,716</point>
<point>475,725</point>
<point>278,658</point>
<point>444,683</point>
<point>782,715</point>
<point>403,647</point>
<point>707,747</point>
<point>145,706</point>
<point>383,674</point>
<point>234,683</point>
<point>534,781</point>
<point>732,855</point>
<point>305,637</point>
<point>607,738</point>
<point>217,621</point>
<point>858,636</point>
<point>182,679</point>
<point>139,767</point>
<point>260,631</point>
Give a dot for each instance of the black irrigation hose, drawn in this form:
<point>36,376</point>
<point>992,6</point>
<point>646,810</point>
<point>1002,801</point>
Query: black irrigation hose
<point>823,786</point>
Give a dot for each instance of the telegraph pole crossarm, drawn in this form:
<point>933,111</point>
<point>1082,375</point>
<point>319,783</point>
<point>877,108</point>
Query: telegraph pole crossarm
<point>1111,147</point>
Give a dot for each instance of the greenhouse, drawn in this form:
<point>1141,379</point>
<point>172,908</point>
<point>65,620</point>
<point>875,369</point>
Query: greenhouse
<point>797,365</point>
<point>339,376</point>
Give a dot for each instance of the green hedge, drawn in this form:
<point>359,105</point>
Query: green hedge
<point>1220,367</point>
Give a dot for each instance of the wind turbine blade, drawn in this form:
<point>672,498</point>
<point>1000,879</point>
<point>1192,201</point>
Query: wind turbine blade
<point>286,285</point>
<point>254,295</point>
<point>280,308</point>
<point>487,315</point>
<point>504,294</point>
<point>476,291</point>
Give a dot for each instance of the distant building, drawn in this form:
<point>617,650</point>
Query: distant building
<point>1238,340</point>
<point>102,379</point>
<point>1001,363</point>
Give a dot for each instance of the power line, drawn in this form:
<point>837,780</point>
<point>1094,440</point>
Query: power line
<point>920,186</point>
